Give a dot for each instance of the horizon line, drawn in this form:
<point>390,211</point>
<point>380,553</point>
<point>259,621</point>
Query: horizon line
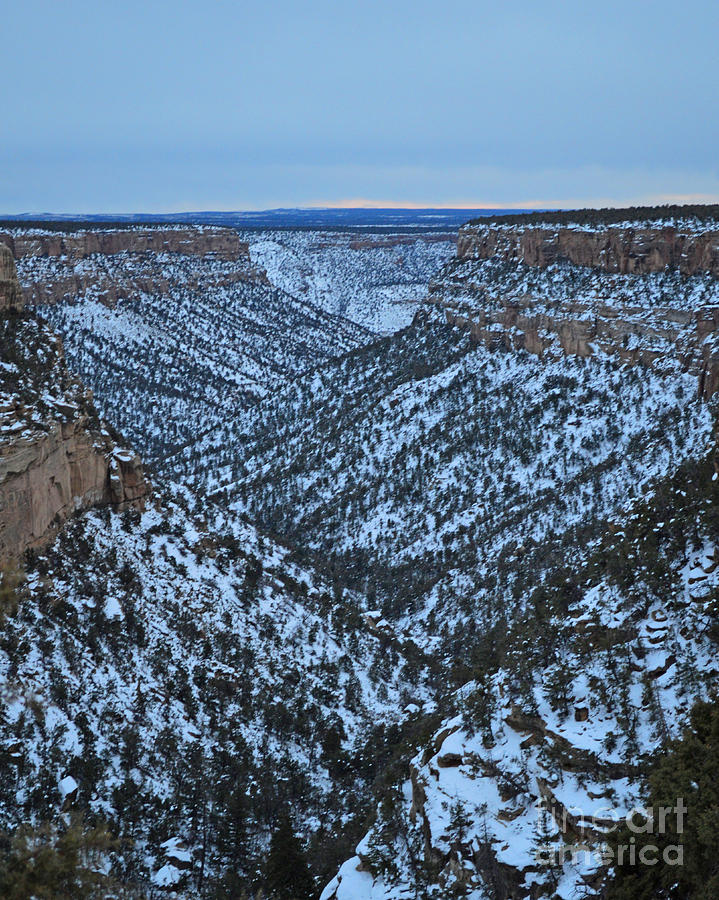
<point>379,207</point>
<point>361,203</point>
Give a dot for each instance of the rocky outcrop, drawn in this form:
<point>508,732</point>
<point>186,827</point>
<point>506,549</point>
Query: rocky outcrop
<point>624,250</point>
<point>222,243</point>
<point>108,285</point>
<point>633,334</point>
<point>56,456</point>
<point>122,263</point>
<point>45,478</point>
<point>10,293</point>
<point>634,293</point>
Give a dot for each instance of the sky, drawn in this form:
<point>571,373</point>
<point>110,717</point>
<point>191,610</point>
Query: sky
<point>159,106</point>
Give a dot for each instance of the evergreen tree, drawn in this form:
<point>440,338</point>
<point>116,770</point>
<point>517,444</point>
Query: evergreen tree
<point>547,847</point>
<point>459,823</point>
<point>287,873</point>
<point>48,863</point>
<point>686,771</point>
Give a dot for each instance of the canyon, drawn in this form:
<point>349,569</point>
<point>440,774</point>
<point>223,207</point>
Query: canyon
<point>429,558</point>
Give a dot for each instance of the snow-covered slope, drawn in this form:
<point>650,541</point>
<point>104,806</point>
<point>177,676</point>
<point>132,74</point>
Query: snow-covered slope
<point>187,341</point>
<point>479,584</point>
<point>417,466</point>
<point>376,280</point>
<point>518,789</point>
<point>175,343</point>
<point>191,681</point>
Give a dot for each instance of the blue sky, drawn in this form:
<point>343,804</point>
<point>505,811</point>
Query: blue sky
<point>162,106</point>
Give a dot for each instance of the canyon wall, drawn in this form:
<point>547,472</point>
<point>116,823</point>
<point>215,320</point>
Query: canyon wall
<point>222,243</point>
<point>56,456</point>
<point>646,295</point>
<point>123,263</point>
<point>625,250</point>
<point>45,478</point>
<point>580,329</point>
<point>10,293</point>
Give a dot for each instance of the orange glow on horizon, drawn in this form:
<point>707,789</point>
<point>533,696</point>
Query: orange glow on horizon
<point>366,203</point>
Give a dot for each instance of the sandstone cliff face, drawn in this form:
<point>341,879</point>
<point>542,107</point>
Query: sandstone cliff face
<point>56,456</point>
<point>648,296</point>
<point>45,478</point>
<point>614,249</point>
<point>578,329</point>
<point>55,266</point>
<point>223,243</point>
<point>10,293</point>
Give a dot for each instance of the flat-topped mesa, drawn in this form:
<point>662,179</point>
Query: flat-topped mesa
<point>647,293</point>
<point>56,455</point>
<point>222,243</point>
<point>619,249</point>
<point>10,294</point>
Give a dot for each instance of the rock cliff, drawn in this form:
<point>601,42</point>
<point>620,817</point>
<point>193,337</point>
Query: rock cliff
<point>10,293</point>
<point>647,295</point>
<point>55,266</point>
<point>45,478</point>
<point>56,456</point>
<point>223,243</point>
<point>626,250</point>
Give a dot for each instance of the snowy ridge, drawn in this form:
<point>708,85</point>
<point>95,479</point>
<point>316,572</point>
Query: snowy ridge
<point>185,342</point>
<point>463,454</point>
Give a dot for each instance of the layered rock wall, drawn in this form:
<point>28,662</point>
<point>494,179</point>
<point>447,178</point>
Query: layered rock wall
<point>45,478</point>
<point>124,263</point>
<point>581,330</point>
<point>602,297</point>
<point>56,456</point>
<point>222,243</point>
<point>625,250</point>
<point>10,293</point>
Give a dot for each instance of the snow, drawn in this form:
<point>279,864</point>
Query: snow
<point>67,786</point>
<point>376,281</point>
<point>113,610</point>
<point>447,472</point>
<point>350,884</point>
<point>175,849</point>
<point>167,876</point>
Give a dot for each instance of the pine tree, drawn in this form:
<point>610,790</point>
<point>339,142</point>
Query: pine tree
<point>459,823</point>
<point>687,771</point>
<point>62,864</point>
<point>546,851</point>
<point>286,872</point>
